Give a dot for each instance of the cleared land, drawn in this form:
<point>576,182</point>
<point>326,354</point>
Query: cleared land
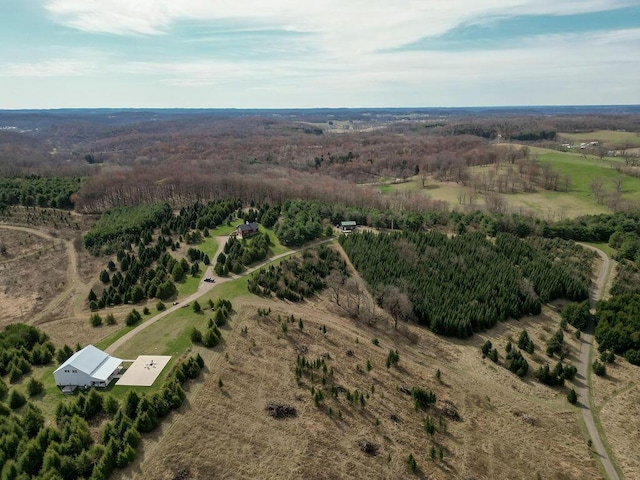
<point>144,370</point>
<point>493,404</point>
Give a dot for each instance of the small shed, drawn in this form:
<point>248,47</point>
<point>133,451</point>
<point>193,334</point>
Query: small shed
<point>247,229</point>
<point>348,226</point>
<point>89,367</point>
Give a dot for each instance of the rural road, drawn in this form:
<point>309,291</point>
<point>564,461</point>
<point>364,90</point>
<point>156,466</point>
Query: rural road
<point>582,388</point>
<point>203,288</point>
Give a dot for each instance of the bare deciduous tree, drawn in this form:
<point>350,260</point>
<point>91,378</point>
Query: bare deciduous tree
<point>335,281</point>
<point>397,303</point>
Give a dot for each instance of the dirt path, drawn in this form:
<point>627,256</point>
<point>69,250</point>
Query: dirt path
<point>584,398</point>
<point>204,287</point>
<point>74,283</point>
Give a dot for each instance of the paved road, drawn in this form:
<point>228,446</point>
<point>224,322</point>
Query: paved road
<point>203,288</point>
<point>584,399</point>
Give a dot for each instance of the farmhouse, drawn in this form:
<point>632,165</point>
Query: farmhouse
<point>89,367</point>
<point>247,229</point>
<point>348,226</point>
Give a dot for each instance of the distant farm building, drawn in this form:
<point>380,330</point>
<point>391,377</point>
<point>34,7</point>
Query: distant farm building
<point>89,367</point>
<point>247,229</point>
<point>348,226</point>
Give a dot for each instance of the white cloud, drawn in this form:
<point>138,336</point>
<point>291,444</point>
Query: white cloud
<point>353,26</point>
<point>338,64</point>
<point>562,69</point>
<point>48,68</point>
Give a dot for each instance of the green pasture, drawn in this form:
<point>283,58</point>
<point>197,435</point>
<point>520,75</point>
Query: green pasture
<point>167,336</point>
<point>579,200</point>
<point>583,170</point>
<point>605,137</point>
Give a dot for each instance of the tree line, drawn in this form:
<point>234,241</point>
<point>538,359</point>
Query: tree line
<point>618,326</point>
<point>462,284</point>
<point>44,192</point>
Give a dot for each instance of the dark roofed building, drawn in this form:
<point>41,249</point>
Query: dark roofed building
<point>247,229</point>
<point>348,226</point>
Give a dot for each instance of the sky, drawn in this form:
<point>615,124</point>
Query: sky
<point>330,53</point>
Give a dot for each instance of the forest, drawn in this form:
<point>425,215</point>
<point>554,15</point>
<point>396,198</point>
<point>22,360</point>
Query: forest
<point>618,326</point>
<point>466,283</point>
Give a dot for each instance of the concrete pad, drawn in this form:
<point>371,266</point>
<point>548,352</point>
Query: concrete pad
<point>144,370</point>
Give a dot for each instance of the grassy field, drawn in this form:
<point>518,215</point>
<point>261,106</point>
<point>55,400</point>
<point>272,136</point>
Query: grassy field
<point>608,138</point>
<point>552,205</point>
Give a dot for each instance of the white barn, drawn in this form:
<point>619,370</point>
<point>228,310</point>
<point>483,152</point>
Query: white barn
<point>89,367</point>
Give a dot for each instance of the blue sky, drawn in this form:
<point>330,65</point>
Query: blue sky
<point>334,53</point>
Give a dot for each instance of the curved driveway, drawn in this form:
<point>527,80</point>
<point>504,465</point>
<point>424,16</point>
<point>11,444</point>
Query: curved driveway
<point>202,289</point>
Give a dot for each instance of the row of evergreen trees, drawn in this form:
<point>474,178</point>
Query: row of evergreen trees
<point>33,190</point>
<point>239,253</point>
<point>299,277</point>
<point>466,283</point>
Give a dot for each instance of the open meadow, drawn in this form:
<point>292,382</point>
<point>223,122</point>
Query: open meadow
<point>614,140</point>
<point>574,199</point>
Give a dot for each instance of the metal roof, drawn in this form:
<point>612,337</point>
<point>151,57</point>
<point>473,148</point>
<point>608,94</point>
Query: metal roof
<point>92,361</point>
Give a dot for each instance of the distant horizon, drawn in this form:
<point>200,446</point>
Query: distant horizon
<point>275,109</point>
<point>69,54</point>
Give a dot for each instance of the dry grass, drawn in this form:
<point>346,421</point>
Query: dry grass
<point>33,274</point>
<point>616,398</point>
<point>241,441</point>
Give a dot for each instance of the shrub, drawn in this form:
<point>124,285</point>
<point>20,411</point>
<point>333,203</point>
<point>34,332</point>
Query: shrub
<point>599,368</point>
<point>423,398</point>
<point>210,339</point>
<point>411,463</point>
<point>133,317</point>
<point>516,363</point>
<point>95,320</point>
<point>160,306</point>
<point>110,404</point>
<point>393,358</point>
<point>486,348</point>
<point>196,335</point>
<point>572,397</point>
<point>111,320</point>
<point>15,374</point>
<point>3,390</point>
<point>34,387</point>
<point>16,399</point>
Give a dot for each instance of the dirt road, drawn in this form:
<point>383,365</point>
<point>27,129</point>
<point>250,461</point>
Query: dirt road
<point>74,284</point>
<point>582,385</point>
